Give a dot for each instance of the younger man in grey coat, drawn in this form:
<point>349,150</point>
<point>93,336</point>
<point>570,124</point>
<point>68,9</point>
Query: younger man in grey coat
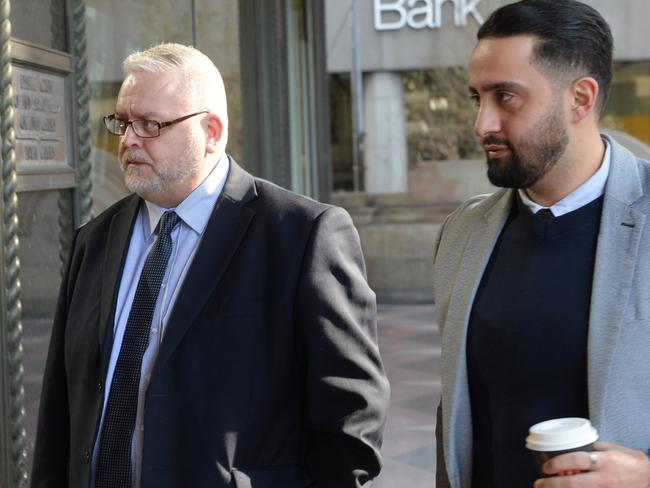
<point>542,289</point>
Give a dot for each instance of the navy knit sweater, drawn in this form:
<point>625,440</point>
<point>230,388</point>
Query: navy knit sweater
<point>527,338</point>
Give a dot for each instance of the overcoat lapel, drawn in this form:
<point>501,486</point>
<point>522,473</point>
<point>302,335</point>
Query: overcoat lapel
<point>226,228</point>
<point>616,256</point>
<point>119,236</point>
<point>457,420</point>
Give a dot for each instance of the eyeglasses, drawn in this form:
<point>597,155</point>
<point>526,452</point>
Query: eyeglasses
<point>143,128</point>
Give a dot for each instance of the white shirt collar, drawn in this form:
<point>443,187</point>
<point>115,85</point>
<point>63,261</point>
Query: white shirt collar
<point>591,189</point>
<point>197,207</point>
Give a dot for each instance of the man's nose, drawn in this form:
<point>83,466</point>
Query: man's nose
<point>487,121</point>
<point>130,138</point>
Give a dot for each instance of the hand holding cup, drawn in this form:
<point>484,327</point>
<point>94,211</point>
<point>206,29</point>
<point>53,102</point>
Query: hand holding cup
<point>560,436</point>
<point>568,454</point>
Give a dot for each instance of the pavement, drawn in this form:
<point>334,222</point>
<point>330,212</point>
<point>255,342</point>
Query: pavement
<point>410,348</point>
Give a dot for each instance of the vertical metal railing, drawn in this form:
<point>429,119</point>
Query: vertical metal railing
<point>13,439</point>
<point>82,95</point>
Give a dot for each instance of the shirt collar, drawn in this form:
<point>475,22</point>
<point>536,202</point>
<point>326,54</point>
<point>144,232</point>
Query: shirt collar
<point>197,207</point>
<point>591,189</point>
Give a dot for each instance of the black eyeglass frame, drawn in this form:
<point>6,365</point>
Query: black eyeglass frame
<point>161,125</point>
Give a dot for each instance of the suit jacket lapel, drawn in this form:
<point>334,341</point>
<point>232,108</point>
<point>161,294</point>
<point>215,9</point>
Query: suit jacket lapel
<point>117,246</point>
<point>616,255</point>
<point>225,230</point>
<point>457,420</point>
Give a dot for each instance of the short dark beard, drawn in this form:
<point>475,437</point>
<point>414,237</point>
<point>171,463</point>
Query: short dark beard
<point>534,158</point>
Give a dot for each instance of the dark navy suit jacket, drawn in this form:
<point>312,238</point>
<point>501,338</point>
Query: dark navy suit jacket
<point>269,373</point>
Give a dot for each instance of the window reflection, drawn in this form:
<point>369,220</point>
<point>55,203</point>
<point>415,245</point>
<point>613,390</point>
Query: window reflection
<point>628,108</point>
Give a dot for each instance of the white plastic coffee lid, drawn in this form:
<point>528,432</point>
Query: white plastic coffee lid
<point>561,434</point>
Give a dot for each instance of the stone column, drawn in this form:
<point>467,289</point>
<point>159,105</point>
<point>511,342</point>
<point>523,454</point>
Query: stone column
<point>386,163</point>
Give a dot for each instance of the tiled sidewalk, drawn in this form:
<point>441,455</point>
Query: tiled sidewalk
<point>410,348</point>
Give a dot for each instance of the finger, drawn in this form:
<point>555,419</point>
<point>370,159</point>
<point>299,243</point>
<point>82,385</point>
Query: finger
<point>579,460</point>
<point>610,446</point>
<point>606,446</point>
<point>582,480</point>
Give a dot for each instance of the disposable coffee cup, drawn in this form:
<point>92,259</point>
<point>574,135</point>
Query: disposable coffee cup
<point>559,436</point>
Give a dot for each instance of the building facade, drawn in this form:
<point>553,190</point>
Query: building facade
<point>413,57</point>
<point>420,156</point>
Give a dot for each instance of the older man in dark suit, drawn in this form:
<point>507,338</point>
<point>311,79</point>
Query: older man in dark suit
<point>212,328</point>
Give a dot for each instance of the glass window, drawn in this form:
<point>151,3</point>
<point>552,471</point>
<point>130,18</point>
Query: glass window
<point>48,15</point>
<point>439,116</point>
<point>628,108</point>
<point>42,217</point>
<point>120,27</point>
<point>341,132</point>
<point>301,123</point>
<point>218,38</point>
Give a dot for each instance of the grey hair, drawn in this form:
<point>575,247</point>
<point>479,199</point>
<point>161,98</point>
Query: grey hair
<point>203,80</point>
<point>164,57</point>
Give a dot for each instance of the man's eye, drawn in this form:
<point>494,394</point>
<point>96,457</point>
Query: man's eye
<point>504,97</point>
<point>149,124</point>
<point>475,98</point>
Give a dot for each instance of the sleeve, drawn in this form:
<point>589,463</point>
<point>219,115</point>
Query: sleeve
<point>52,448</point>
<point>347,392</point>
<point>436,246</point>
<point>442,479</point>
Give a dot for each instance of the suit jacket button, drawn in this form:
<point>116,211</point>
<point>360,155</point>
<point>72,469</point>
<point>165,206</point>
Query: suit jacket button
<point>100,387</point>
<point>86,457</point>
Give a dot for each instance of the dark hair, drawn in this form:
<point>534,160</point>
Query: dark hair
<point>572,37</point>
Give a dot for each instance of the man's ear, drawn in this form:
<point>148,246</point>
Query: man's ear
<point>214,133</point>
<point>584,94</point>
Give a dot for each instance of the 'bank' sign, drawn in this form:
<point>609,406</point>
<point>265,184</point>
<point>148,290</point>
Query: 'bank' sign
<point>420,14</point>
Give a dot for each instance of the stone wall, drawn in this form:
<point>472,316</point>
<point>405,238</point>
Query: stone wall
<point>397,230</point>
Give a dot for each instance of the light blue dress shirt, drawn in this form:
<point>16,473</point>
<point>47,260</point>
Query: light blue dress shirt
<point>194,212</point>
<point>586,193</point>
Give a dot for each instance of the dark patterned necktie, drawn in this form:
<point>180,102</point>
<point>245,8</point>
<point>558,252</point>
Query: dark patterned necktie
<point>545,213</point>
<point>114,459</point>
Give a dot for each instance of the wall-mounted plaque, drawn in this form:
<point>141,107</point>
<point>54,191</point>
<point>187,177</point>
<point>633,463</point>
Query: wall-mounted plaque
<point>40,124</point>
<point>43,117</point>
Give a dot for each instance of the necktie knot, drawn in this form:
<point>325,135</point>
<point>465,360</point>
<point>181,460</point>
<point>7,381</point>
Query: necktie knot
<point>168,221</point>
